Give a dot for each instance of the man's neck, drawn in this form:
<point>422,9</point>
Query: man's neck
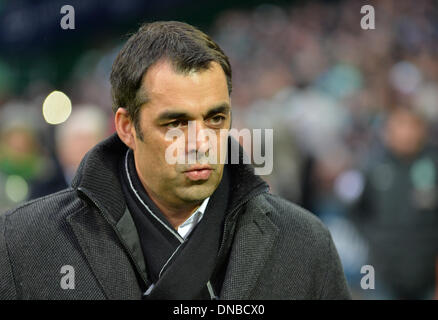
<point>175,216</point>
<point>175,213</point>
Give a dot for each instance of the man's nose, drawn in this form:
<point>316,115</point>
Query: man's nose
<point>198,141</point>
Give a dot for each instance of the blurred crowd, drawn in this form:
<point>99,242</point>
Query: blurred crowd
<point>354,113</point>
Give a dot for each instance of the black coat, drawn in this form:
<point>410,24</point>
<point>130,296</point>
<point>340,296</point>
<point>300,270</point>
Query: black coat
<point>279,251</point>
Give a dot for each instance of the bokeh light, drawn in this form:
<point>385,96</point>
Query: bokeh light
<point>16,188</point>
<point>56,107</point>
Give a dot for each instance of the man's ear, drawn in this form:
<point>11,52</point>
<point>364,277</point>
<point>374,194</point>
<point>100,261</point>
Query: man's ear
<point>125,127</point>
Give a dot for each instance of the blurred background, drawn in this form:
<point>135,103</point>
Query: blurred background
<point>354,112</point>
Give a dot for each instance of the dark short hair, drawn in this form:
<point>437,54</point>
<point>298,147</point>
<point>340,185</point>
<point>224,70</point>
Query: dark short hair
<point>185,46</point>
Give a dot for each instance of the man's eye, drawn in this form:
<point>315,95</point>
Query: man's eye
<point>217,120</point>
<point>176,124</point>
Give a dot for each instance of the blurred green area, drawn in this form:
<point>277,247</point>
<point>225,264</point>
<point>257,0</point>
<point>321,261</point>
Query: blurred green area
<point>48,53</point>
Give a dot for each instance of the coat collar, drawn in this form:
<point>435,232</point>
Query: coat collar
<point>97,177</point>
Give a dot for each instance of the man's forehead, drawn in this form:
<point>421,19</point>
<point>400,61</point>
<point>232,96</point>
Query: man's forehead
<point>167,88</point>
<point>165,68</point>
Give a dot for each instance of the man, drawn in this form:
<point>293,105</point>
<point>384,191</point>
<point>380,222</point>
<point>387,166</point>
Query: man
<point>398,209</point>
<point>134,226</point>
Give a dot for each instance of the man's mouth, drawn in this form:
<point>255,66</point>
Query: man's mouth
<point>198,172</point>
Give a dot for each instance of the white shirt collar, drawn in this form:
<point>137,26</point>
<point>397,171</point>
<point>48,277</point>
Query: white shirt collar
<point>187,226</point>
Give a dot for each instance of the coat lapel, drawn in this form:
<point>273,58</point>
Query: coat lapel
<point>105,255</point>
<point>254,238</point>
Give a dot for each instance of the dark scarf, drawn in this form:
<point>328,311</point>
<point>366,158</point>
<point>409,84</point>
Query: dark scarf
<point>179,269</point>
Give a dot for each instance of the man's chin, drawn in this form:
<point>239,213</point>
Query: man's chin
<point>196,193</point>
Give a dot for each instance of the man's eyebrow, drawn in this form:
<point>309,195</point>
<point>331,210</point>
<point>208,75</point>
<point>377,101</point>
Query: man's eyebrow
<point>172,115</point>
<point>223,108</point>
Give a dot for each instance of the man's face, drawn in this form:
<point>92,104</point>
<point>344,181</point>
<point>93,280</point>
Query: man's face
<point>174,99</point>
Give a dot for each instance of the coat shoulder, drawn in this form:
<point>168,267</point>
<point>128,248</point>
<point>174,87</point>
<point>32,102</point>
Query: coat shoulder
<point>304,252</point>
<point>301,234</point>
<point>294,220</point>
<point>36,241</point>
<point>40,216</point>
